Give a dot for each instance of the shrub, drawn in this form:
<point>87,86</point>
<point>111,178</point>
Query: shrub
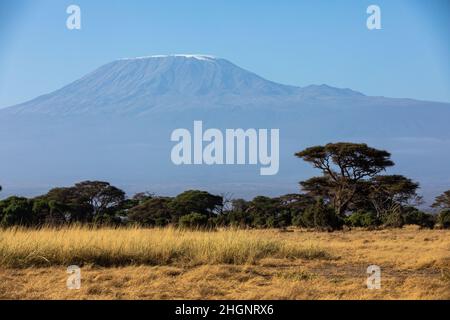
<point>304,219</point>
<point>408,215</point>
<point>48,212</point>
<point>17,211</point>
<point>394,220</point>
<point>444,219</point>
<point>267,212</point>
<point>362,219</point>
<point>319,216</point>
<point>417,217</point>
<point>193,220</point>
<point>235,218</point>
<point>107,220</point>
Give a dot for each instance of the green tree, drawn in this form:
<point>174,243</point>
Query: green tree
<point>16,211</point>
<point>100,196</point>
<point>69,204</point>
<point>391,193</point>
<point>293,206</point>
<point>265,212</point>
<point>237,215</point>
<point>152,212</point>
<point>197,201</point>
<point>343,166</point>
<point>413,215</point>
<point>319,216</point>
<point>88,200</point>
<point>296,203</point>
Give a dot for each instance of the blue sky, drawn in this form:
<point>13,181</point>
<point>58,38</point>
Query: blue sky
<point>292,42</point>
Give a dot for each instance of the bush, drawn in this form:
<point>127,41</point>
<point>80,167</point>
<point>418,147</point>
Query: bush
<point>17,211</point>
<point>408,215</point>
<point>107,220</point>
<point>235,218</point>
<point>267,212</point>
<point>394,220</point>
<point>48,212</point>
<point>319,216</point>
<point>304,219</point>
<point>362,219</point>
<point>417,217</point>
<point>444,219</point>
<point>193,221</point>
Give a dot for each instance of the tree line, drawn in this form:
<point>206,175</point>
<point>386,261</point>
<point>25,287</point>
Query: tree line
<point>350,191</point>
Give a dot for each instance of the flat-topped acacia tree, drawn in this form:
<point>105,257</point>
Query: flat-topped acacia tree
<point>88,200</point>
<point>441,202</point>
<point>344,166</point>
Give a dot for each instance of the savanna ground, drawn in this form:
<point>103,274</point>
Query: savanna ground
<point>226,264</point>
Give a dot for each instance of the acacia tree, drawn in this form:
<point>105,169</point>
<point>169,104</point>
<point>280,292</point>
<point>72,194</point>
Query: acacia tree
<point>196,201</point>
<point>152,212</point>
<point>87,200</point>
<point>68,204</point>
<point>344,165</point>
<point>443,201</point>
<point>390,193</point>
<point>100,195</point>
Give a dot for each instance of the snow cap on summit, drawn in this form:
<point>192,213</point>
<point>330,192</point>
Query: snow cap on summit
<point>189,56</point>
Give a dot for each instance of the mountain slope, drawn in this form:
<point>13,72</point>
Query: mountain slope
<point>143,84</point>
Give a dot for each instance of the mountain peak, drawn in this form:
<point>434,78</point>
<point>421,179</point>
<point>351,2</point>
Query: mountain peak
<point>170,82</point>
<point>187,56</point>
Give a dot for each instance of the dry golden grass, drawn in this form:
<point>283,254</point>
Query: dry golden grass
<point>227,264</point>
<point>132,246</point>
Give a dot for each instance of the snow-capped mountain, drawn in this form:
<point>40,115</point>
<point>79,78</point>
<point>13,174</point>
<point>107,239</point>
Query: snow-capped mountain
<point>148,83</point>
<point>115,124</point>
